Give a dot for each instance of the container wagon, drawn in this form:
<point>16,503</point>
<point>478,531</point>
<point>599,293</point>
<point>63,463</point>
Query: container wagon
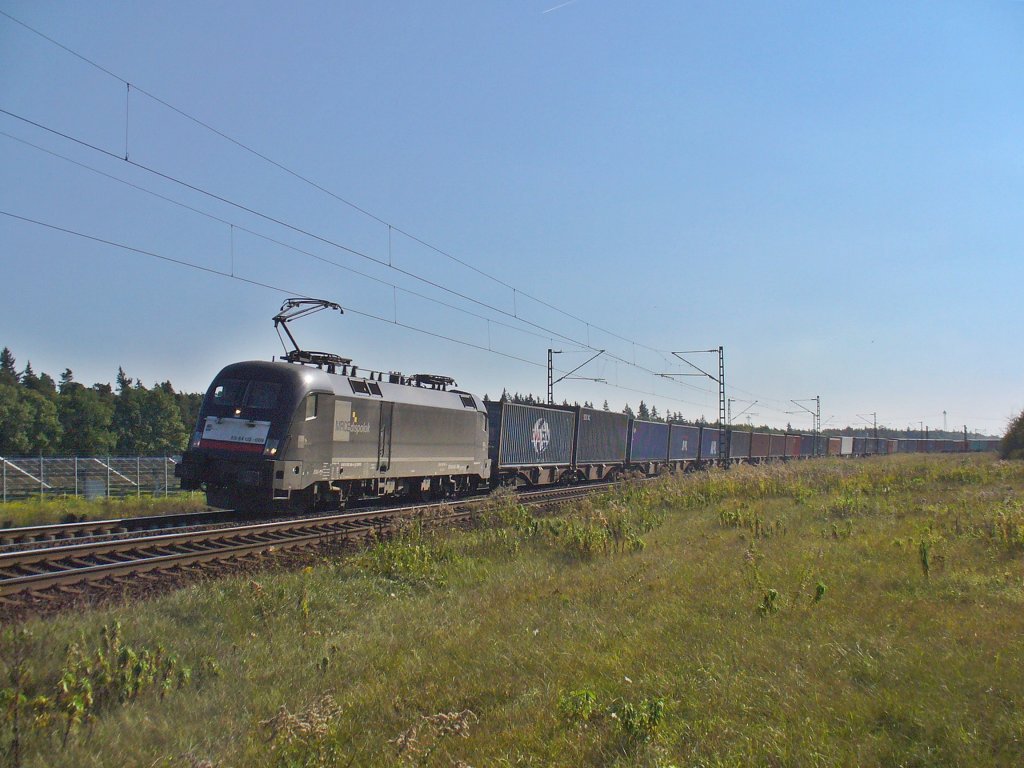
<point>739,446</point>
<point>648,445</point>
<point>530,444</point>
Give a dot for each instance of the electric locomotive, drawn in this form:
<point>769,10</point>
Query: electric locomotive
<point>309,432</point>
<point>280,434</point>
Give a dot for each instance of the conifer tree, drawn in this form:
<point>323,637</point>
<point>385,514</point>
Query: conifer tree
<point>8,373</point>
<point>28,376</point>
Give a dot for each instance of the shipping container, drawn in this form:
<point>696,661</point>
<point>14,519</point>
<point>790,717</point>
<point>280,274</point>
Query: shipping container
<point>760,443</point>
<point>710,437</point>
<point>648,441</point>
<point>529,435</point>
<point>684,442</point>
<point>821,446</point>
<point>806,445</point>
<point>601,437</point>
<point>846,446</point>
<point>835,446</point>
<point>777,447</point>
<point>739,445</point>
<point>859,446</point>
<point>792,446</point>
<point>982,444</point>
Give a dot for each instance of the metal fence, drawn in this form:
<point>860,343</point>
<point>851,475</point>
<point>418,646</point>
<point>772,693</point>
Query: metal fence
<point>44,477</point>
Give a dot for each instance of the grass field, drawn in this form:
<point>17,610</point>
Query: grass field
<point>817,613</point>
<point>70,508</point>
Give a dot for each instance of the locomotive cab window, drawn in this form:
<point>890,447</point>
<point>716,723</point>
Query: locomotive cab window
<point>262,394</point>
<point>229,392</point>
<point>312,406</point>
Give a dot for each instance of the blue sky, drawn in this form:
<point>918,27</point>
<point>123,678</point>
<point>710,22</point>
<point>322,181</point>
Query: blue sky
<point>831,193</point>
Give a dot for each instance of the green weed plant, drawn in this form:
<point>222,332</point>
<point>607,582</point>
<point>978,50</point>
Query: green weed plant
<point>90,683</point>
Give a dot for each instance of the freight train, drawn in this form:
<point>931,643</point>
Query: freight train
<point>315,433</point>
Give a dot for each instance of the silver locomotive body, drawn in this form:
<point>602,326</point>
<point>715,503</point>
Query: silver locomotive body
<point>291,436</point>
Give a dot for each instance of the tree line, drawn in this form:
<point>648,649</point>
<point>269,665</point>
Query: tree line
<point>41,416</point>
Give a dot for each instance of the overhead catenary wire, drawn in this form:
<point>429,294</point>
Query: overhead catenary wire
<point>305,179</point>
<point>290,292</point>
<point>236,226</point>
<point>131,87</point>
<point>549,332</point>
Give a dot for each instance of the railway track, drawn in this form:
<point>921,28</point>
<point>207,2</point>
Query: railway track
<point>34,534</point>
<point>30,537</point>
<point>72,569</point>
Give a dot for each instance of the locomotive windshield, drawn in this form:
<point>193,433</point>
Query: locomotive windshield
<point>252,394</point>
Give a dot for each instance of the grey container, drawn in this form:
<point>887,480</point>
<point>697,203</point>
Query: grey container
<point>601,437</point>
<point>739,445</point>
<point>530,436</point>
<point>648,441</point>
<point>684,442</point>
<point>806,445</point>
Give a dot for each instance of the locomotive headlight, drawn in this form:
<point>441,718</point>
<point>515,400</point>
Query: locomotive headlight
<point>270,449</point>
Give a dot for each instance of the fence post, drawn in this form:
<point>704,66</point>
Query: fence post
<point>138,477</point>
<point>167,489</point>
<point>5,479</point>
<point>40,477</point>
<point>76,474</point>
<point>108,476</point>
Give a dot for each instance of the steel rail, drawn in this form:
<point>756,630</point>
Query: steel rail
<point>85,528</point>
<point>232,551</point>
<point>38,534</point>
<point>41,569</point>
